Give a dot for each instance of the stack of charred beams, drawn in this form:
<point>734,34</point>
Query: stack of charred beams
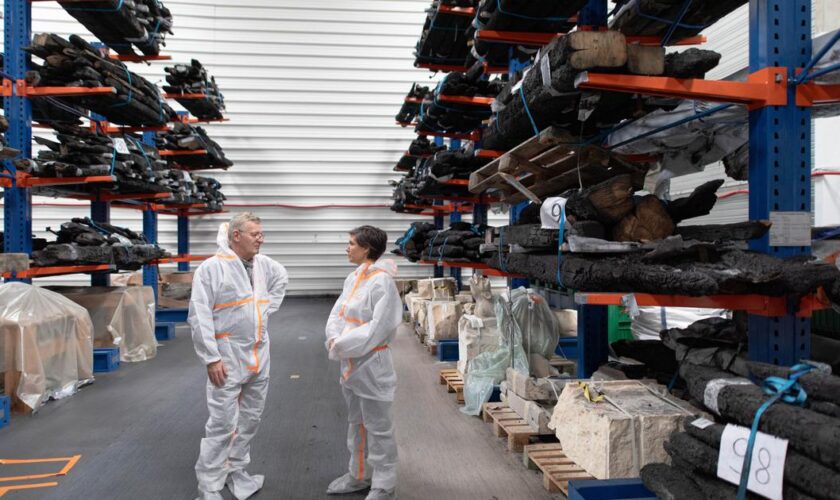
<point>76,63</point>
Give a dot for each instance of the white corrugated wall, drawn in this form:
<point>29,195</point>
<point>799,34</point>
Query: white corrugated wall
<point>311,90</point>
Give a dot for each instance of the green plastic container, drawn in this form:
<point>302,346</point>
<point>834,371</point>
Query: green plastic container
<point>618,324</point>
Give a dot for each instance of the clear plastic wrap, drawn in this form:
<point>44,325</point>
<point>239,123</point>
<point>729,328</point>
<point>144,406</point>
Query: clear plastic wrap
<point>122,317</point>
<point>489,368</point>
<point>475,336</point>
<point>533,320</point>
<point>46,345</point>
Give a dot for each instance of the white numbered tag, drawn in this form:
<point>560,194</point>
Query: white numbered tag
<point>120,145</point>
<point>768,460</point>
<point>702,423</point>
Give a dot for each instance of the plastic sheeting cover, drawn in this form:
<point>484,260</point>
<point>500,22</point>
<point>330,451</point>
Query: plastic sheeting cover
<point>653,319</point>
<point>122,317</point>
<point>46,339</point>
<point>475,336</point>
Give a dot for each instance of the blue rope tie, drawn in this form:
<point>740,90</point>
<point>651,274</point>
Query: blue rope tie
<point>502,265</point>
<point>130,96</point>
<point>677,21</point>
<point>668,21</point>
<point>113,161</point>
<point>560,237</point>
<point>82,9</point>
<point>408,235</point>
<point>440,252</point>
<point>790,392</point>
<point>529,18</point>
<point>432,243</point>
<point>527,110</point>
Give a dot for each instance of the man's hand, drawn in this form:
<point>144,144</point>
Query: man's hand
<point>217,373</point>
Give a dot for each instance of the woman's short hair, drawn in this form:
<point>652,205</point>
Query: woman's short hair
<point>238,221</point>
<point>372,238</point>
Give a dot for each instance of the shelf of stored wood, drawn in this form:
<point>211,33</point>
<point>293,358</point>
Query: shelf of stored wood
<point>27,181</point>
<point>24,90</point>
<point>181,258</point>
<point>761,305</point>
<point>462,99</point>
<point>540,39</point>
<point>184,152</point>
<point>478,266</point>
<point>36,272</point>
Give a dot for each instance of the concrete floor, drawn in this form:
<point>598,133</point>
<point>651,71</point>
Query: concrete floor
<point>138,428</point>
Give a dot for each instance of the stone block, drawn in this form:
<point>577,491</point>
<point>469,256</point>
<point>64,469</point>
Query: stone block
<point>616,437</point>
<point>442,318</point>
<point>534,389</point>
<point>530,411</point>
<point>436,288</point>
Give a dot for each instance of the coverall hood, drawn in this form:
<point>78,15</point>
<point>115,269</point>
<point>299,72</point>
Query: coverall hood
<point>386,265</point>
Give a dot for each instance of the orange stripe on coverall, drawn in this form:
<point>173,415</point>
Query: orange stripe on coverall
<point>255,368</point>
<point>233,304</point>
<point>362,277</point>
<point>346,374</point>
<point>363,432</point>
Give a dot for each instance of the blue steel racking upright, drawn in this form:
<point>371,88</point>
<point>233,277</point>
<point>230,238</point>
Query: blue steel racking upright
<point>18,199</point>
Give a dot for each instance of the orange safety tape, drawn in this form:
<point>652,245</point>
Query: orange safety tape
<point>380,348</point>
<point>14,487</point>
<point>71,462</point>
<point>228,257</point>
<point>255,368</point>
<point>362,453</point>
<point>355,320</point>
<point>222,335</point>
<point>353,291</point>
<point>233,304</point>
<point>349,369</point>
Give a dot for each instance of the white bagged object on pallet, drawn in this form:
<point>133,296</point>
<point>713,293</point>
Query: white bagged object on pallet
<point>475,335</point>
<point>442,317</point>
<point>566,322</point>
<point>46,346</point>
<point>621,433</point>
<point>122,317</point>
<point>653,319</point>
<point>528,313</point>
<point>436,288</point>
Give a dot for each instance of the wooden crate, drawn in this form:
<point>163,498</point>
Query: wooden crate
<point>557,468</point>
<point>507,424</point>
<point>454,382</point>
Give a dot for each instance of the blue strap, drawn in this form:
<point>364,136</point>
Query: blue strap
<point>789,391</point>
<point>82,9</point>
<point>432,243</point>
<point>560,238</point>
<point>673,27</point>
<point>113,161</point>
<point>527,110</point>
<point>667,21</point>
<point>440,252</point>
<point>128,76</point>
<point>502,265</point>
<point>143,152</point>
<point>406,237</point>
<point>529,18</point>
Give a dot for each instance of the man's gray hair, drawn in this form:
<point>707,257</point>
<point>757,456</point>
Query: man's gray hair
<point>238,221</point>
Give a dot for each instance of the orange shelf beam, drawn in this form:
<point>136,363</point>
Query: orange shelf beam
<point>28,181</point>
<point>416,156</point>
<point>413,100</point>
<point>407,124</point>
<point>459,99</point>
<point>139,58</point>
<point>181,258</point>
<point>766,87</point>
<point>441,67</point>
<point>488,153</point>
<point>469,137</point>
<point>185,96</point>
<point>540,39</point>
<point>495,70</point>
<point>440,208</point>
<point>457,182</point>
<point>812,94</point>
<point>761,305</point>
<point>36,272</point>
<point>186,152</point>
<point>457,11</point>
<point>202,120</point>
<point>118,196</point>
<point>24,90</point>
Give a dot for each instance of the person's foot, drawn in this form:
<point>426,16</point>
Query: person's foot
<point>347,484</point>
<point>243,485</point>
<point>380,494</point>
<point>210,495</point>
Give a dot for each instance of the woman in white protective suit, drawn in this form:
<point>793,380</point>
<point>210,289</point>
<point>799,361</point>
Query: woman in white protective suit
<point>233,296</point>
<point>362,323</point>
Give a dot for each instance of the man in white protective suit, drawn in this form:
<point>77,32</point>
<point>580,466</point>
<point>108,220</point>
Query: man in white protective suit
<point>234,294</point>
<point>362,323</point>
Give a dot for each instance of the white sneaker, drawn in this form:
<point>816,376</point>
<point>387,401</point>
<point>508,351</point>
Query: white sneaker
<point>380,494</point>
<point>243,485</point>
<point>347,484</point>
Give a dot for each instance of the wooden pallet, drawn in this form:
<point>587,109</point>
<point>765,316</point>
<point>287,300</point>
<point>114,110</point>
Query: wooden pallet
<point>454,382</point>
<point>557,468</point>
<point>506,423</point>
<point>431,346</point>
<point>545,164</point>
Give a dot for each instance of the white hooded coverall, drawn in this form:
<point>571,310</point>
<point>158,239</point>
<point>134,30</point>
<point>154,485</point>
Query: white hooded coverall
<point>363,322</point>
<point>229,322</point>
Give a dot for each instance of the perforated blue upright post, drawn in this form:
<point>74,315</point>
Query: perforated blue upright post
<point>593,338</point>
<point>780,166</point>
<point>438,216</point>
<point>17,208</point>
<point>150,230</point>
<point>183,240</point>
